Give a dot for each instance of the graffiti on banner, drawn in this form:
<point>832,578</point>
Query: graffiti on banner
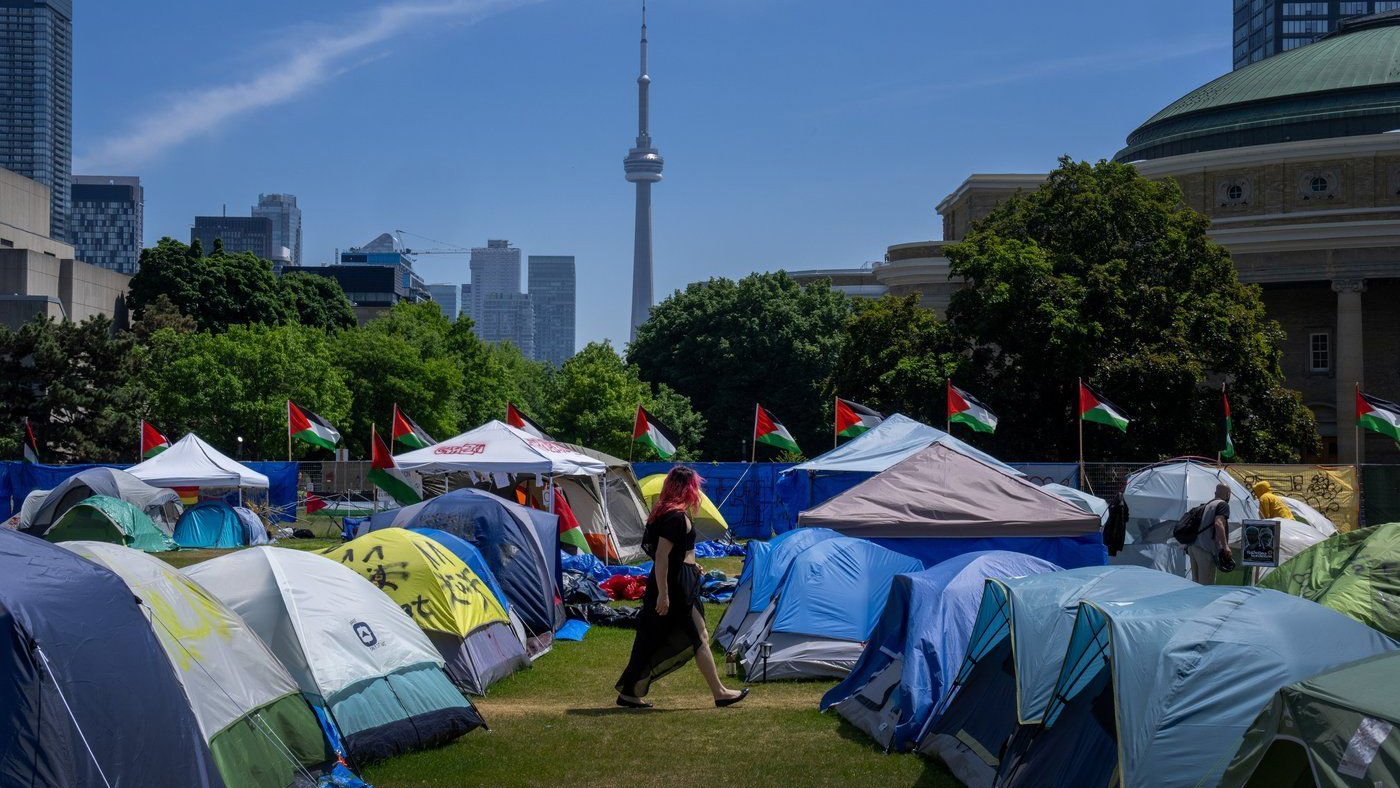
<point>1330,489</point>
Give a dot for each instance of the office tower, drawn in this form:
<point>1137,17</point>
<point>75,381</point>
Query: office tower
<point>1268,27</point>
<point>642,167</point>
<point>508,317</point>
<point>495,269</point>
<point>552,296</point>
<point>466,303</point>
<point>282,210</point>
<point>448,298</point>
<point>104,224</point>
<point>36,98</point>
<point>238,233</point>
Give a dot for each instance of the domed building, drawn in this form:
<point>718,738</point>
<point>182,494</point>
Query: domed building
<point>1296,160</point>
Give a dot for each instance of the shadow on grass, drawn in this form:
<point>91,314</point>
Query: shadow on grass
<point>611,711</point>
<point>934,775</point>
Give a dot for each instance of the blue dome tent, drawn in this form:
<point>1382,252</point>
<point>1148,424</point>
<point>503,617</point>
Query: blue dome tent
<point>211,524</point>
<point>469,555</point>
<point>765,563</point>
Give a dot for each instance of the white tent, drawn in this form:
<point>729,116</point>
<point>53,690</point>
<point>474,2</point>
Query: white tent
<point>190,462</point>
<point>1158,495</point>
<point>498,448</point>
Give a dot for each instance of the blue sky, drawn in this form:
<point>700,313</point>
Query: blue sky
<point>796,134</point>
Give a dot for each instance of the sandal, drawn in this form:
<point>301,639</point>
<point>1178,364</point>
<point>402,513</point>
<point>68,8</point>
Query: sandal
<point>633,704</point>
<point>743,693</point>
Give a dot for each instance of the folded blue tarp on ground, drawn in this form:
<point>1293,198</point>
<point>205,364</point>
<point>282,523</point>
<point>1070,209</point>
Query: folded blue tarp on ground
<point>573,629</point>
<point>717,549</point>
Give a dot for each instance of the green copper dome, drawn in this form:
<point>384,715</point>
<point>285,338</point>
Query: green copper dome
<point>1346,84</point>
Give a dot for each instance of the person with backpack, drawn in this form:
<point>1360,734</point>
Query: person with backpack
<point>1211,546</point>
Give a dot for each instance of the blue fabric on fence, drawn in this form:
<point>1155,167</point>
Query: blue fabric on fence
<point>1068,552</point>
<point>717,549</point>
<point>750,510</point>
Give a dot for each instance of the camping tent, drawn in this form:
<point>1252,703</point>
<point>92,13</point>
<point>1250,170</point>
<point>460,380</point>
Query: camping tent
<point>1353,573</point>
<point>1158,495</point>
<point>708,522</point>
<point>765,564</point>
<point>823,610</point>
<point>254,529</point>
<point>509,537</point>
<point>103,519</point>
<point>351,650</point>
<point>84,674</point>
<point>159,504</point>
<point>618,525</point>
<point>190,462</point>
<point>939,502</point>
<point>1086,501</point>
<point>890,442</point>
<point>260,730</point>
<point>1330,731</point>
<point>909,661</point>
<point>498,448</point>
<point>452,604</point>
<point>467,553</point>
<point>1161,691</point>
<point>1304,512</point>
<point>1013,659</point>
<point>211,524</point>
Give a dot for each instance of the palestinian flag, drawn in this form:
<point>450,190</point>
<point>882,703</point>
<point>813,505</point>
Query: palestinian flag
<point>769,430</point>
<point>648,431</point>
<point>307,426</point>
<point>853,418</point>
<point>1227,445</point>
<point>314,502</point>
<point>31,446</point>
<point>520,421</point>
<point>570,534</point>
<point>964,408</point>
<point>1378,415</point>
<point>385,474</point>
<point>152,442</point>
<point>409,433</point>
<point>1094,408</point>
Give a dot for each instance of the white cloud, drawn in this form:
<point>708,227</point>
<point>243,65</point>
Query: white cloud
<point>317,59</point>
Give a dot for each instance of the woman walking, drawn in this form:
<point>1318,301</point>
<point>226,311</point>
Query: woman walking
<point>671,626</point>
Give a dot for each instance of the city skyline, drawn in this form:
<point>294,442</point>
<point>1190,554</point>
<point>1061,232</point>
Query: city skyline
<point>786,141</point>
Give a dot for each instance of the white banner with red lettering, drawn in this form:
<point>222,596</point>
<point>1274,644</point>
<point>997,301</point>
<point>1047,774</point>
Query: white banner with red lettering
<point>498,448</point>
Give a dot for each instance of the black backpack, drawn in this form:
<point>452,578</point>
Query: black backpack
<point>1190,526</point>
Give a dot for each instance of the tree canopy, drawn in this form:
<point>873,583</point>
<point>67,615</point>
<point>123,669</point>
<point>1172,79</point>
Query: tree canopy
<point>896,357</point>
<point>1105,275</point>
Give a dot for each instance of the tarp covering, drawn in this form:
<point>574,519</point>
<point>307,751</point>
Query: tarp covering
<point>76,642</point>
<point>1086,501</point>
<point>940,492</point>
<point>925,626</point>
<point>497,447</point>
<point>1163,689</point>
<point>190,462</point>
<point>1338,728</point>
<point>745,493</point>
<point>103,519</point>
<point>709,524</point>
<point>894,440</point>
<point>158,503</point>
<point>227,672</point>
<point>212,524</point>
<point>1330,489</point>
<point>1356,573</point>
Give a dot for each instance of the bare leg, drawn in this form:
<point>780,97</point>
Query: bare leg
<point>705,660</point>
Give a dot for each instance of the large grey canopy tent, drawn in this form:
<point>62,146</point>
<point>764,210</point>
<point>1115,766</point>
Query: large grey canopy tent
<point>160,504</point>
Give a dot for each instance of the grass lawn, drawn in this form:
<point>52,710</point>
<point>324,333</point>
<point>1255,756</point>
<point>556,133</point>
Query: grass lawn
<point>556,724</point>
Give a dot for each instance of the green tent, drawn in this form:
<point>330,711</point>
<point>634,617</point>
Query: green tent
<point>1337,730</point>
<point>1353,573</point>
<point>105,519</point>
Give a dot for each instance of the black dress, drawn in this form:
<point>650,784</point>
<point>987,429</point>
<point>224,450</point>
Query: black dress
<point>667,642</point>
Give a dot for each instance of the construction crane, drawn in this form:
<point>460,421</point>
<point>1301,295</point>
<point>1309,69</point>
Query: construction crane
<point>443,246</point>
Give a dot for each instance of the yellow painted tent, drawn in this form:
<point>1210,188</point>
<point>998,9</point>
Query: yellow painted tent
<point>708,522</point>
<point>454,606</point>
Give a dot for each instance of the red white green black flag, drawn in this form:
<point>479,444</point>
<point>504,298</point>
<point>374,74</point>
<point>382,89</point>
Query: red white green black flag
<point>1095,408</point>
<point>31,446</point>
<point>407,432</point>
<point>964,408</point>
<point>853,418</point>
<point>1378,415</point>
<point>384,473</point>
<point>767,429</point>
<point>520,421</point>
<point>648,431</point>
<point>152,442</point>
<point>307,426</point>
<point>1227,446</point>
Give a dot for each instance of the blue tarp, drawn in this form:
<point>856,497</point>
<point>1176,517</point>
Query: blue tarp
<point>752,508</point>
<point>926,622</point>
<point>837,588</point>
<point>75,642</point>
<point>1066,551</point>
<point>211,524</point>
<point>467,553</point>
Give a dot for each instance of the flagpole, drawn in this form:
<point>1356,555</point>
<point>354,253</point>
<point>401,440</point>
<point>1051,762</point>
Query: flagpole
<point>374,502</point>
<point>834,435</point>
<point>1356,428</point>
<point>947,411</point>
<point>1220,450</point>
<point>289,430</point>
<point>753,450</point>
<point>632,444</point>
<point>1079,392</point>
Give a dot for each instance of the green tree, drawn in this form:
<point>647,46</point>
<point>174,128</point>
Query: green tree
<point>75,383</point>
<point>315,300</point>
<point>727,345</point>
<point>218,291</point>
<point>237,383</point>
<point>896,358</point>
<point>1105,275</point>
<point>529,384</point>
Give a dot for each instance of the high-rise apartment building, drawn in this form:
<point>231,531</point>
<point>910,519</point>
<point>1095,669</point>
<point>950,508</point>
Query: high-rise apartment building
<point>448,298</point>
<point>105,223</point>
<point>553,296</point>
<point>466,302</point>
<point>36,98</point>
<point>238,233</point>
<point>495,269</point>
<point>282,210</point>
<point>1268,27</point>
<point>508,317</point>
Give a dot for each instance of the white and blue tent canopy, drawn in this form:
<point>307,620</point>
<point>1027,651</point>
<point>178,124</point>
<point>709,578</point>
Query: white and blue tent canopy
<point>918,643</point>
<point>1161,691</point>
<point>895,439</point>
<point>1086,501</point>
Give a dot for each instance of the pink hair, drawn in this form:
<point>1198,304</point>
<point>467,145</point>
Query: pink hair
<point>679,493</point>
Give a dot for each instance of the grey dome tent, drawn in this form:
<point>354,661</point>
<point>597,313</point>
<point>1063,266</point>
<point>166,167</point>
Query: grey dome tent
<point>160,504</point>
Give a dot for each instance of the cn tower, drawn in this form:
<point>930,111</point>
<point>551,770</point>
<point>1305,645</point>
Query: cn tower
<point>643,167</point>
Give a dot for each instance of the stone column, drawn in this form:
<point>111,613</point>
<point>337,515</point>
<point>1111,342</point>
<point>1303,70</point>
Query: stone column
<point>1349,366</point>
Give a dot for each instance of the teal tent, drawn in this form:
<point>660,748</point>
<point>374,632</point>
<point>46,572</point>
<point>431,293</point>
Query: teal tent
<point>104,519</point>
<point>212,524</point>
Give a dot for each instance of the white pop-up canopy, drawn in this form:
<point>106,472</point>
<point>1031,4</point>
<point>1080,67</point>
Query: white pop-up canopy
<point>498,448</point>
<point>190,462</point>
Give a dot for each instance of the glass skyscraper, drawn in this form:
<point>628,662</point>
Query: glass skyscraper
<point>36,98</point>
<point>552,294</point>
<point>286,222</point>
<point>105,224</point>
<point>1268,27</point>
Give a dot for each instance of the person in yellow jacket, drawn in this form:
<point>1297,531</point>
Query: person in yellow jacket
<point>1271,505</point>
